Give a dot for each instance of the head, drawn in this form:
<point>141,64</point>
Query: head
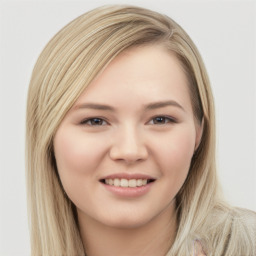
<point>70,63</point>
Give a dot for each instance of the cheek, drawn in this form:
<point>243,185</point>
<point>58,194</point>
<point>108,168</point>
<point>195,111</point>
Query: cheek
<point>174,162</point>
<point>174,152</point>
<point>76,155</point>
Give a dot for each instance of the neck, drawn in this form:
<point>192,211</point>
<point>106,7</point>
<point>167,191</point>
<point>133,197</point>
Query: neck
<point>150,239</point>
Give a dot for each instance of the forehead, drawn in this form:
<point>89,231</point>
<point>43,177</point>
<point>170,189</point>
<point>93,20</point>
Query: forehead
<point>140,75</point>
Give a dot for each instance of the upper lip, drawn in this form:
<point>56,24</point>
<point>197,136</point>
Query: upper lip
<point>128,176</point>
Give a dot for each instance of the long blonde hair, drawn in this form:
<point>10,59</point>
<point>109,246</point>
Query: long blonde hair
<point>67,65</point>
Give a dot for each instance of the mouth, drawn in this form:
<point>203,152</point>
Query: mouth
<point>126,183</point>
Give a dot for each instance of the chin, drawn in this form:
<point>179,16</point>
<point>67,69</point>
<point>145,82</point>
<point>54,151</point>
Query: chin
<point>126,222</point>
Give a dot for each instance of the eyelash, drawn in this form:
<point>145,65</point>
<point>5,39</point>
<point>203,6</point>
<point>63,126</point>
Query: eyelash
<point>84,122</point>
<point>101,120</point>
<point>166,118</point>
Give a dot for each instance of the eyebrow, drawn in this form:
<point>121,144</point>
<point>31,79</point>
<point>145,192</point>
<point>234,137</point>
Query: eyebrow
<point>150,106</point>
<point>161,104</point>
<point>95,106</point>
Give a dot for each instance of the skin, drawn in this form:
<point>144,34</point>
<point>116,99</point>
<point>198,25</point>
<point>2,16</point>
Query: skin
<point>129,139</point>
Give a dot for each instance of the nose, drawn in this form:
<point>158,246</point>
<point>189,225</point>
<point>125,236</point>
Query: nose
<point>128,146</point>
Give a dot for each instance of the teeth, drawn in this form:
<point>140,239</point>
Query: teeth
<point>116,182</point>
<point>139,182</point>
<point>126,183</point>
<point>132,183</point>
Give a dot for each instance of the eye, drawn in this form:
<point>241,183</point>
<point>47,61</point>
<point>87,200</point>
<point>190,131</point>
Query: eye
<point>94,122</point>
<point>162,120</point>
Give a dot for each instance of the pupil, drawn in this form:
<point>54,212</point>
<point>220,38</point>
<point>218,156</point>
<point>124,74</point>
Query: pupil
<point>96,121</point>
<point>159,120</point>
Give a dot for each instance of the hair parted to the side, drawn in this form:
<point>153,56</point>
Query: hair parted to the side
<point>67,65</point>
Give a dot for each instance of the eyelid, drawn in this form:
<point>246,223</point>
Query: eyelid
<point>84,121</point>
<point>171,119</point>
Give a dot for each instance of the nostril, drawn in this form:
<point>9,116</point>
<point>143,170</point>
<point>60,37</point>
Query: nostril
<point>128,152</point>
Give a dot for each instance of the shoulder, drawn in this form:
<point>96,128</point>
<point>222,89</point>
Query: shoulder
<point>232,231</point>
<point>242,236</point>
<point>243,222</point>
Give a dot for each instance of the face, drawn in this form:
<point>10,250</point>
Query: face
<point>124,149</point>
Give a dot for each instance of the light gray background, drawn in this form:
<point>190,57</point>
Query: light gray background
<point>224,32</point>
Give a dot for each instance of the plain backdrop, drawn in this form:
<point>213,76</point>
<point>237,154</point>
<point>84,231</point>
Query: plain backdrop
<point>224,32</point>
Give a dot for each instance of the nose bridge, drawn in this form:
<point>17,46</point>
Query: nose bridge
<point>128,144</point>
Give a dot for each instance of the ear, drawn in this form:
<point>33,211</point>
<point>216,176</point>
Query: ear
<point>199,133</point>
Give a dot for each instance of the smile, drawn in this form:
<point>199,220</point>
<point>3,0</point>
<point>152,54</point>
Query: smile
<point>131,183</point>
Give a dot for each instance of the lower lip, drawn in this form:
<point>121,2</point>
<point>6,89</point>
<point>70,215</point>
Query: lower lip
<point>129,192</point>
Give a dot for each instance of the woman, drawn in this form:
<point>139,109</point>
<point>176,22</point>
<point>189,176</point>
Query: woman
<point>121,144</point>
